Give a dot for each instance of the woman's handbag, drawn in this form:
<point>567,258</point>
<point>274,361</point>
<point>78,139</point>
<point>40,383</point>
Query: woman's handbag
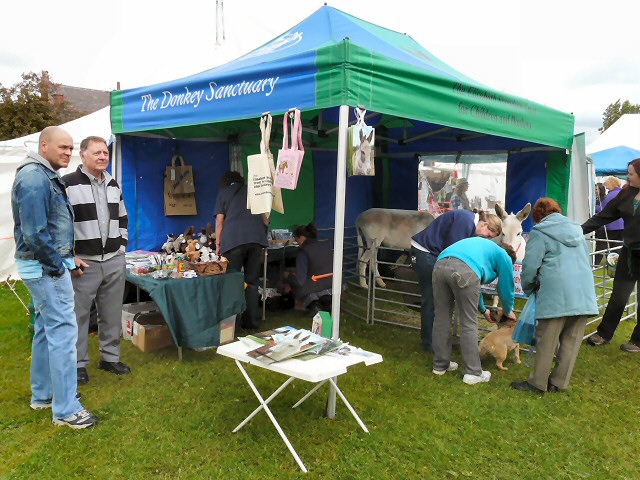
<point>290,159</point>
<point>525,331</point>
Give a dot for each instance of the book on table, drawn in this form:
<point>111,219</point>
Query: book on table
<point>287,342</point>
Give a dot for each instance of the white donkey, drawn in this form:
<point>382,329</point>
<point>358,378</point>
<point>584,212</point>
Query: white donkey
<point>512,229</point>
<point>388,227</point>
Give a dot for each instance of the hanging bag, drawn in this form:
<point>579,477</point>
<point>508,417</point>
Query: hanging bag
<point>180,176</point>
<point>361,151</point>
<point>262,196</point>
<point>525,331</point>
<point>290,159</point>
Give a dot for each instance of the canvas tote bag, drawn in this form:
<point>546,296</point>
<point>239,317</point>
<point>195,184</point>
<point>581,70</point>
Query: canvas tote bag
<point>290,159</point>
<point>177,178</point>
<point>361,146</point>
<point>181,177</point>
<point>262,196</point>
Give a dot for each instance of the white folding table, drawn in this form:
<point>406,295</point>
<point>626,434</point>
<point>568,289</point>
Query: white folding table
<point>318,370</point>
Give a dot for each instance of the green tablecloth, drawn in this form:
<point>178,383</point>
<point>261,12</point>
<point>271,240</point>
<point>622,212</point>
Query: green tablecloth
<point>194,307</point>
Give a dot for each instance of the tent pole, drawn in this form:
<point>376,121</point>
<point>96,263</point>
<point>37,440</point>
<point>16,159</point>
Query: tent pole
<point>338,239</point>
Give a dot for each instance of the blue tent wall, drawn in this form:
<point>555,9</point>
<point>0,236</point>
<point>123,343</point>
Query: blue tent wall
<point>142,186</point>
<point>526,181</point>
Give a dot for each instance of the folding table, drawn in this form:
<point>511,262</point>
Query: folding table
<point>318,370</point>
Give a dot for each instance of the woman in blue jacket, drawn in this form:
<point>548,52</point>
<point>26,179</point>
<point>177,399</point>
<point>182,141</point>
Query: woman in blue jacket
<point>557,267</point>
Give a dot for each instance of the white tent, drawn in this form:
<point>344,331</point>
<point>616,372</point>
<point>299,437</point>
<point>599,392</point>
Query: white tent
<point>12,152</point>
<point>625,131</point>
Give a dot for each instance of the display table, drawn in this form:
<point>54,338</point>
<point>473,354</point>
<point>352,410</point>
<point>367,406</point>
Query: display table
<point>319,371</point>
<point>194,307</point>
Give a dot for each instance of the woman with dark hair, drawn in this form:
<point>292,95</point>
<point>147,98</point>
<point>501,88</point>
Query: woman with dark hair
<point>315,258</point>
<point>556,268</point>
<point>626,206</point>
<point>240,237</point>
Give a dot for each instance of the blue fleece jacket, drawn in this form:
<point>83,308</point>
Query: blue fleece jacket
<point>446,230</point>
<point>488,260</point>
<point>557,259</point>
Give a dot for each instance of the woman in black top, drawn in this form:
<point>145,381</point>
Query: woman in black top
<point>626,206</point>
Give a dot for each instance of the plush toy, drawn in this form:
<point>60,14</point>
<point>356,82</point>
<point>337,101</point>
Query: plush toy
<point>192,252</point>
<point>167,247</point>
<point>211,236</point>
<point>205,254</point>
<point>179,244</point>
<point>190,232</point>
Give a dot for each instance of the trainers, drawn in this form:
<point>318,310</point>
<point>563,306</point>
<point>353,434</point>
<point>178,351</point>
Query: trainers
<point>630,347</point>
<point>596,340</point>
<point>452,367</point>
<point>83,376</point>
<point>82,419</point>
<point>40,405</point>
<point>47,403</point>
<point>473,379</point>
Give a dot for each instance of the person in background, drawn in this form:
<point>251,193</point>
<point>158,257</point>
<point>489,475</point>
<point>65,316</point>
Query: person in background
<point>459,200</point>
<point>314,258</point>
<point>100,227</point>
<point>556,268</point>
<point>612,231</point>
<point>625,205</point>
<point>459,272</point>
<point>426,245</point>
<point>43,233</point>
<point>240,237</point>
<point>601,239</point>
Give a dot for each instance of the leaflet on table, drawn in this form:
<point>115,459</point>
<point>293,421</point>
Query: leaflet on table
<point>288,342</point>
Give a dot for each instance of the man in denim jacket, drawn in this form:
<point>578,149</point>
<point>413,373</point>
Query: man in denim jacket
<point>43,232</point>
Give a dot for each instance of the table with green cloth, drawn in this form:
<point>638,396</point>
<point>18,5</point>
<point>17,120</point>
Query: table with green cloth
<point>194,307</point>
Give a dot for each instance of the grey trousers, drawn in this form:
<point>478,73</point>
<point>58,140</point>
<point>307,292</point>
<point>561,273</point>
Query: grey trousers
<point>104,282</point>
<point>565,334</point>
<point>455,283</point>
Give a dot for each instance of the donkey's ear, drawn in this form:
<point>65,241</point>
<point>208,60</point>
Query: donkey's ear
<point>524,213</point>
<point>500,212</point>
<point>370,136</point>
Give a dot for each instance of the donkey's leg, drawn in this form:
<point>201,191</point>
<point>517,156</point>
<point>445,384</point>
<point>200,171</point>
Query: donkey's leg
<point>362,266</point>
<point>374,257</point>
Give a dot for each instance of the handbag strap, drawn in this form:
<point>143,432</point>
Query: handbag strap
<point>296,131</point>
<point>177,157</point>
<point>285,135</point>
<point>266,123</point>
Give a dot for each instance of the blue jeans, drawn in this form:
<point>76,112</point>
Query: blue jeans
<point>53,353</point>
<point>424,265</point>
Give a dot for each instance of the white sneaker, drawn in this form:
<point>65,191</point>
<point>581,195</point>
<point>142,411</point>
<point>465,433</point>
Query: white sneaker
<point>452,366</point>
<point>473,379</point>
<point>82,419</point>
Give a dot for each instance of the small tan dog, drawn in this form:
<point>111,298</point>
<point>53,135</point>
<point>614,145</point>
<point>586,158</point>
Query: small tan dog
<point>499,343</point>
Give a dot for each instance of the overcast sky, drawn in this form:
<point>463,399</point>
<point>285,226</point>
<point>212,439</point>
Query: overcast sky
<point>575,56</point>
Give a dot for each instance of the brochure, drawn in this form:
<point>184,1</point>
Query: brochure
<point>287,342</point>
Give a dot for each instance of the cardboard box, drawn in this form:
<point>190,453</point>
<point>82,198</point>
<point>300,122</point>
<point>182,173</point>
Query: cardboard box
<point>150,332</point>
<point>322,324</point>
<point>129,312</point>
<point>227,330</point>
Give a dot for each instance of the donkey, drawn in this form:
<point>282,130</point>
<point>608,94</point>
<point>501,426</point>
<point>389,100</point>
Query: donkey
<point>362,155</point>
<point>388,227</point>
<point>512,229</point>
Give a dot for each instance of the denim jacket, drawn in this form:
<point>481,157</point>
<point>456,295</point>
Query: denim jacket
<point>42,215</point>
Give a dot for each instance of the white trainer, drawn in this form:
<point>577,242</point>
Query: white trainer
<point>473,379</point>
<point>452,367</point>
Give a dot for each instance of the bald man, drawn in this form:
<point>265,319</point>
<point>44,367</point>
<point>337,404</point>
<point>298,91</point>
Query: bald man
<point>43,232</point>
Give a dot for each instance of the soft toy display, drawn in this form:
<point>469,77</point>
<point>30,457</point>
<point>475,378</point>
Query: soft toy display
<point>192,251</point>
<point>179,244</point>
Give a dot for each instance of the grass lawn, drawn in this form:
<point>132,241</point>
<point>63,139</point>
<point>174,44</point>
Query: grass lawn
<point>172,419</point>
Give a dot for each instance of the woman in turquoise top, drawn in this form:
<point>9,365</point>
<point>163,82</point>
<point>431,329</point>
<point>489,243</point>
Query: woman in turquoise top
<point>557,267</point>
<point>460,270</point>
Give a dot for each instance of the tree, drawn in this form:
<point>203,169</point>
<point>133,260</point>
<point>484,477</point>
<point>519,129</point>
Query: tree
<point>615,111</point>
<point>31,105</point>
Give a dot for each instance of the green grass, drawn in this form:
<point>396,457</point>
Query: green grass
<point>172,419</point>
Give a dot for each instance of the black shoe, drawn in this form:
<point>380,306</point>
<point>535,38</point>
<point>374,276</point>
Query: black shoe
<point>552,388</point>
<point>118,368</point>
<point>526,387</point>
<point>83,376</point>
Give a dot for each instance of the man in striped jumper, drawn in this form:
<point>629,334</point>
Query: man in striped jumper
<point>100,227</point>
